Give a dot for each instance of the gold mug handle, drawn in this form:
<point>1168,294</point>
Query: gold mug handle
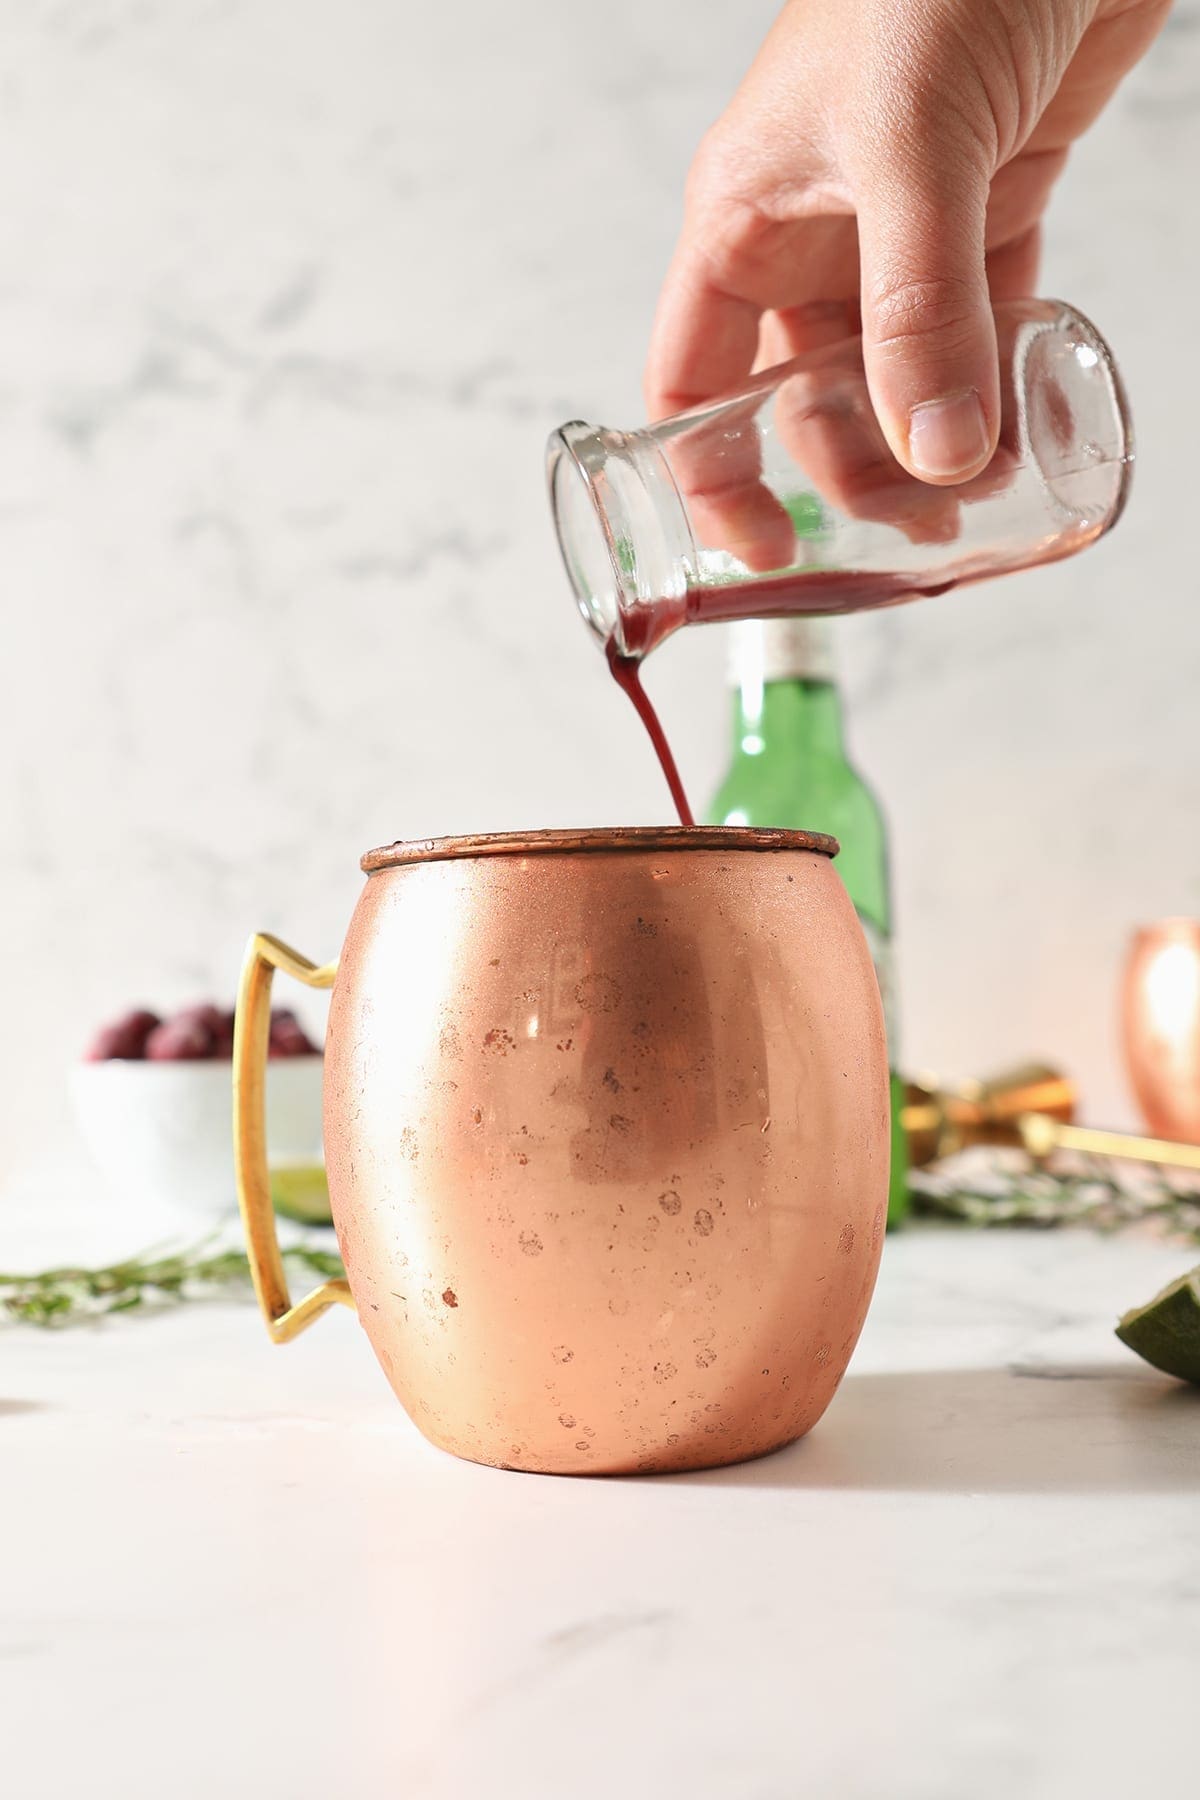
<point>251,1035</point>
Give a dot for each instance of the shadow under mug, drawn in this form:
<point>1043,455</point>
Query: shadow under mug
<point>606,1129</point>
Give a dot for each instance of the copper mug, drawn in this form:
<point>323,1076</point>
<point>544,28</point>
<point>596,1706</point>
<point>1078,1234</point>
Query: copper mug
<point>1160,1018</point>
<point>606,1128</point>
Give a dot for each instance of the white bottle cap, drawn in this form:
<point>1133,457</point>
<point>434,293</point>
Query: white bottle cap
<point>781,650</point>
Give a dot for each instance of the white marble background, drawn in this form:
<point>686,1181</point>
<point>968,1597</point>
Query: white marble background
<point>290,293</point>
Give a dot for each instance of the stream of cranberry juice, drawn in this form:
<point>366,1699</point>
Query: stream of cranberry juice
<point>826,592</point>
<point>627,673</point>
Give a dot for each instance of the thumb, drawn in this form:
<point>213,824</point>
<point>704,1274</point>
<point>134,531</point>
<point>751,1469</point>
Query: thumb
<point>929,338</point>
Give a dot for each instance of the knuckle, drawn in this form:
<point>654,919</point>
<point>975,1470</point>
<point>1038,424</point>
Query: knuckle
<point>723,200</point>
<point>904,307</point>
<point>724,217</point>
<point>711,176</point>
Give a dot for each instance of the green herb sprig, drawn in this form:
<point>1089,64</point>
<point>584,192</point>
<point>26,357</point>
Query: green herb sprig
<point>75,1296</point>
<point>999,1187</point>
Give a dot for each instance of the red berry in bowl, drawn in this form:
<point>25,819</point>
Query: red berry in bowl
<point>181,1040</point>
<point>206,1014</point>
<point>124,1040</point>
<point>288,1036</point>
<point>223,1036</point>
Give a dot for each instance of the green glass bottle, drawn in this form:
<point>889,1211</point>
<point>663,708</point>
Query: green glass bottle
<point>790,769</point>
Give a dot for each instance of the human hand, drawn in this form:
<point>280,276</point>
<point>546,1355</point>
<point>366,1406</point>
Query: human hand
<point>884,167</point>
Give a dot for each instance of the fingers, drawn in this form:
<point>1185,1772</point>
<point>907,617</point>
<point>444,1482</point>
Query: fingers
<point>704,337</point>
<point>704,344</point>
<point>824,418</point>
<point>1012,269</point>
<point>929,340</point>
<point>1120,34</point>
<point>790,331</point>
<point>739,254</point>
<point>717,468</point>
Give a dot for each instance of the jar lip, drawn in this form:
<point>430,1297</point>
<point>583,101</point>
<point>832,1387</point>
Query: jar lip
<point>623,838</point>
<point>623,532</point>
<point>569,473</point>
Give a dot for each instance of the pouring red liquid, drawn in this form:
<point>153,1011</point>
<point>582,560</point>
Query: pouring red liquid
<point>627,673</point>
<point>826,592</point>
<point>652,522</point>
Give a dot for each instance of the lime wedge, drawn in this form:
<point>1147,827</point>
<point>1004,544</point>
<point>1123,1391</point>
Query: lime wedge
<point>1166,1331</point>
<point>300,1191</point>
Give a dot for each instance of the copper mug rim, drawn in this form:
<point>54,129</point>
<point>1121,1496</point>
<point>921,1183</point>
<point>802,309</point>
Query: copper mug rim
<point>1174,925</point>
<point>596,838</point>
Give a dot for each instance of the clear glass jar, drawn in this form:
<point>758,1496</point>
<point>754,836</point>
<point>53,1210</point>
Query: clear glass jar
<point>784,498</point>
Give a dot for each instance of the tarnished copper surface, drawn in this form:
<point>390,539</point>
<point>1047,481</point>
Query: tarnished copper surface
<point>1160,1003</point>
<point>607,1139</point>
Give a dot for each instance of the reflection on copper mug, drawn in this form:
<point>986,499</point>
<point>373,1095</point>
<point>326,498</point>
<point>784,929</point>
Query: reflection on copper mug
<point>606,1125</point>
<point>1161,1026</point>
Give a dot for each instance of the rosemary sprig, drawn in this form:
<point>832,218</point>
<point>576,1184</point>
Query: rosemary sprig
<point>1002,1187</point>
<point>74,1296</point>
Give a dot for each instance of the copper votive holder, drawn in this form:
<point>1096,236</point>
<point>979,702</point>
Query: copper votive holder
<point>1160,1026</point>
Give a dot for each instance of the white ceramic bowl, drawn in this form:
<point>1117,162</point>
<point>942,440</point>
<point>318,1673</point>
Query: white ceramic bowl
<point>161,1133</point>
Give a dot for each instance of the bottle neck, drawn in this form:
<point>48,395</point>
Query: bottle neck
<point>785,695</point>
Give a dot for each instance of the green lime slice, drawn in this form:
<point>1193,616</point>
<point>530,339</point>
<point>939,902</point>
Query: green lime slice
<point>300,1191</point>
<point>1166,1331</point>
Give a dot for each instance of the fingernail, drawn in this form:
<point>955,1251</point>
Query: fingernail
<point>948,437</point>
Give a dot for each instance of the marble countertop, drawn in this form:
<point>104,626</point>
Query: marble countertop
<point>235,1569</point>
